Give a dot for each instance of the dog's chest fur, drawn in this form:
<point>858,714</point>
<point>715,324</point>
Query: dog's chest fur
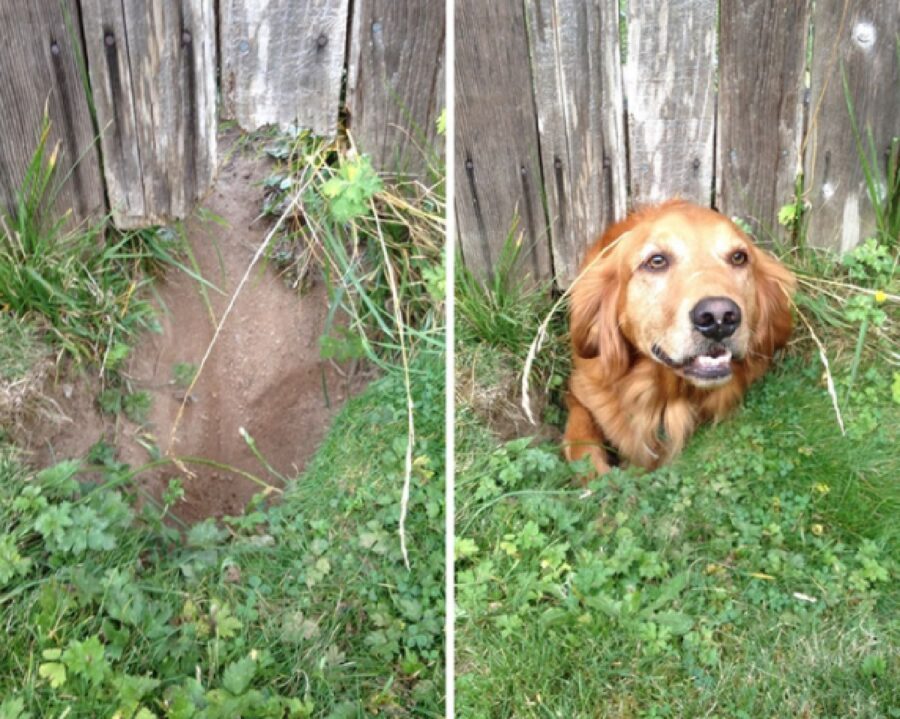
<point>649,415</point>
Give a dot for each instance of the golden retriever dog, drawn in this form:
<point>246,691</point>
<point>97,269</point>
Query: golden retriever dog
<point>674,315</point>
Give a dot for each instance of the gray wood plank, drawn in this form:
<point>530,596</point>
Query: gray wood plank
<point>283,62</point>
<point>497,155</point>
<point>395,85</point>
<point>670,86</point>
<point>760,109</point>
<point>862,36</point>
<point>578,93</point>
<point>152,68</point>
<point>39,65</point>
<point>110,74</point>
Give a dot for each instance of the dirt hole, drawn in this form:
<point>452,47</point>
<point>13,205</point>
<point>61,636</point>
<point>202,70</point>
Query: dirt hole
<point>265,373</point>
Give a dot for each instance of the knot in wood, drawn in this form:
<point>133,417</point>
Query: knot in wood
<point>864,35</point>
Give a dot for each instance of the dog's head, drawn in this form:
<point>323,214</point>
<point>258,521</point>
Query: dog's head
<point>684,285</point>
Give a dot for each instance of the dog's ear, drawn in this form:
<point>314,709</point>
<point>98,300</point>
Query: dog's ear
<point>775,285</point>
<point>593,313</point>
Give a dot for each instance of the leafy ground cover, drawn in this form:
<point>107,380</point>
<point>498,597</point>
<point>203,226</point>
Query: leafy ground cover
<point>301,608</point>
<point>753,577</point>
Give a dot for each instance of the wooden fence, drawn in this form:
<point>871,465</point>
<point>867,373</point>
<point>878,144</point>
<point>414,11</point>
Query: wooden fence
<point>568,113</point>
<point>132,88</point>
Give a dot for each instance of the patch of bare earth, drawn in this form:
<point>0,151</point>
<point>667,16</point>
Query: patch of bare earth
<point>490,385</point>
<point>264,374</point>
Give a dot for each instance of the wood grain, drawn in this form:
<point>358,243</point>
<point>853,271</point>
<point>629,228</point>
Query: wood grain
<point>670,86</point>
<point>152,69</point>
<point>39,66</point>
<point>283,62</point>
<point>498,159</point>
<point>760,109</point>
<point>859,37</point>
<point>578,94</point>
<point>395,85</point>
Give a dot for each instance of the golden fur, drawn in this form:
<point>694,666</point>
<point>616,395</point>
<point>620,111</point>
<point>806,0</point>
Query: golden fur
<point>636,350</point>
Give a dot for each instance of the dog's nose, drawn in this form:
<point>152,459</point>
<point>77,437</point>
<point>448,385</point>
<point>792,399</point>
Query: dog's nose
<point>716,317</point>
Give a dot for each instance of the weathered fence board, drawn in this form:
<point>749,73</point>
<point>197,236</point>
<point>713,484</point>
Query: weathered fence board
<point>40,59</point>
<point>395,82</point>
<point>760,109</point>
<point>498,168</point>
<point>861,38</point>
<point>575,57</point>
<point>152,69</point>
<point>670,86</point>
<point>282,62</point>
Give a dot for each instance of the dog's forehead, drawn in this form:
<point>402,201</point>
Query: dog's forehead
<point>690,232</point>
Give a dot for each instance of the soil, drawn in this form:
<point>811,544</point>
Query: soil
<point>490,384</point>
<point>264,373</point>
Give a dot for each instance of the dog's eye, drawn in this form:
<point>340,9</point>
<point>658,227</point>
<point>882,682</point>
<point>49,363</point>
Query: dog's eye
<point>738,258</point>
<point>657,262</point>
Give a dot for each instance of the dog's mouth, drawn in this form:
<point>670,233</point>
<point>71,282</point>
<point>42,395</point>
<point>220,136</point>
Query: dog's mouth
<point>711,365</point>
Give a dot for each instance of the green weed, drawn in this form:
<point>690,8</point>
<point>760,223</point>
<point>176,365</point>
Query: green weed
<point>374,239</point>
<point>299,609</point>
<point>183,374</point>
<point>756,581</point>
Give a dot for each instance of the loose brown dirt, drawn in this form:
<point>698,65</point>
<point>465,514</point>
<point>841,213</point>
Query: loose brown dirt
<point>264,374</point>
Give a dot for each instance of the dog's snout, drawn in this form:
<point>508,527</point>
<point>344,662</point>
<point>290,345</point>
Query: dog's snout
<point>716,317</point>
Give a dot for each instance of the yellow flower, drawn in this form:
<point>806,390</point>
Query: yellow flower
<point>822,488</point>
<point>880,297</point>
<point>817,529</point>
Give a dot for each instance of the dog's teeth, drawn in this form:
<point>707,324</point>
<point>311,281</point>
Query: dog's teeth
<point>707,361</point>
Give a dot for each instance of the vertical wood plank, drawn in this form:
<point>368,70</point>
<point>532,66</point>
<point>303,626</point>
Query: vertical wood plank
<point>862,37</point>
<point>395,85</point>
<point>578,93</point>
<point>760,109</point>
<point>498,167</point>
<point>39,64</point>
<point>107,52</point>
<point>152,69</point>
<point>670,86</point>
<point>283,62</point>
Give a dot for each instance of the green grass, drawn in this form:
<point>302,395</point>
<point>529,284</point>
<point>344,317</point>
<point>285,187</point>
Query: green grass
<point>753,577</point>
<point>76,283</point>
<point>21,349</point>
<point>299,609</point>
